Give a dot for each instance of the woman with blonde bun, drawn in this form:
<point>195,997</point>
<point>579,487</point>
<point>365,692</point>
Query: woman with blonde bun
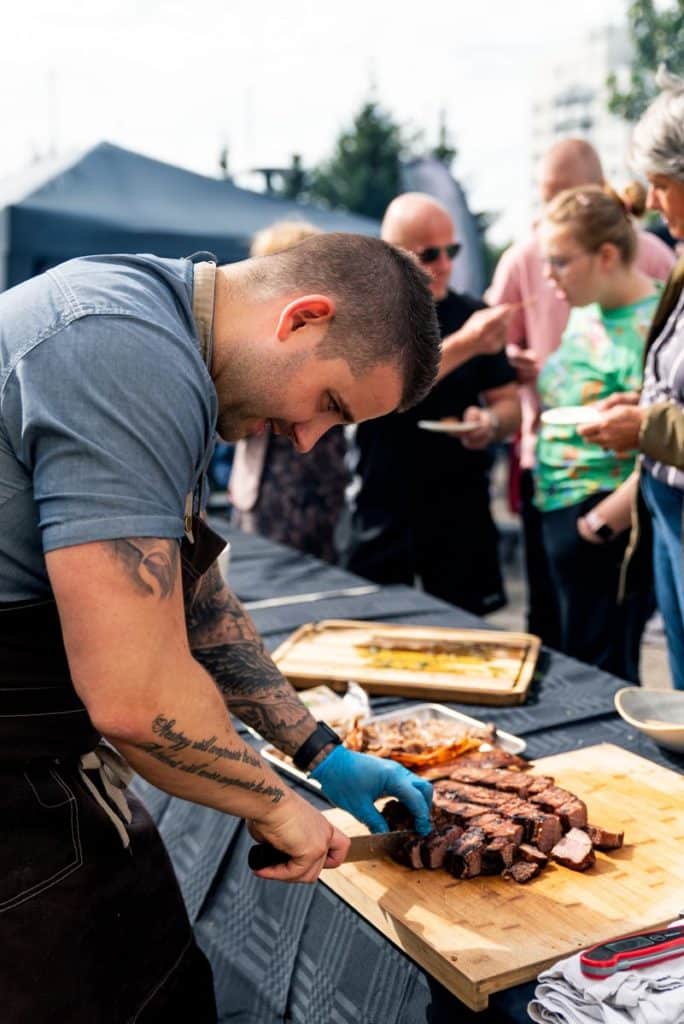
<point>653,421</point>
<point>285,495</point>
<point>589,245</point>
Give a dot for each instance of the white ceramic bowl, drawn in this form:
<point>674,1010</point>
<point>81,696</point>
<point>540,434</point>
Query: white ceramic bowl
<point>657,713</point>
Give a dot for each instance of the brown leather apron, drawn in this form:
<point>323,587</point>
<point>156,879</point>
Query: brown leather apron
<point>93,929</point>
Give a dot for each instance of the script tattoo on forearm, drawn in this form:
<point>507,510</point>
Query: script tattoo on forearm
<point>224,641</point>
<point>204,758</point>
<point>150,563</point>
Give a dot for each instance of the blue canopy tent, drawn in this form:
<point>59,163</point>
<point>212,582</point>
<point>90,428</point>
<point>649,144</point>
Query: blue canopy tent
<point>426,174</point>
<point>113,200</point>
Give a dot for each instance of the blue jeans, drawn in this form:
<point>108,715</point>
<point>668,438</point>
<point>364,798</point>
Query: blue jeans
<point>665,505</point>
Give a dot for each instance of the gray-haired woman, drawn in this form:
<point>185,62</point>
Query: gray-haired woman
<point>654,421</point>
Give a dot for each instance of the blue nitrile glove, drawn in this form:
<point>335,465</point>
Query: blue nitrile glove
<point>354,781</point>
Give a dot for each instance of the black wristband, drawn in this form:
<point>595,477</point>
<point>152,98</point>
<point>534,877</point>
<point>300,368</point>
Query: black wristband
<point>319,738</point>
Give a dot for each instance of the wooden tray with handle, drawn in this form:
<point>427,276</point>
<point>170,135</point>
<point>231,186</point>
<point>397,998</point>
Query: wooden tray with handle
<point>482,935</point>
<point>476,666</point>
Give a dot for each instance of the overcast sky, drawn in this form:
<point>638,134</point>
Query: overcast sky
<point>176,80</point>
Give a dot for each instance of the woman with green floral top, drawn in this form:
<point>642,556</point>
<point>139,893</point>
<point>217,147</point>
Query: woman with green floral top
<point>589,245</point>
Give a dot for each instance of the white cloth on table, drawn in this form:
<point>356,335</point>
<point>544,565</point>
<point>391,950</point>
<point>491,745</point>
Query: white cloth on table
<point>644,995</point>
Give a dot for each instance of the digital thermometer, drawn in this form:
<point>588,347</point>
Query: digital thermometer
<point>638,950</point>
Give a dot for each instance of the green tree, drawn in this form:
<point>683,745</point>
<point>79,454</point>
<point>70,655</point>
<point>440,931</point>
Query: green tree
<point>364,173</point>
<point>657,35</point>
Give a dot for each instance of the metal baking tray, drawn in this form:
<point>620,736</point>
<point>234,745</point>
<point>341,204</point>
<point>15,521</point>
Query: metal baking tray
<point>421,713</point>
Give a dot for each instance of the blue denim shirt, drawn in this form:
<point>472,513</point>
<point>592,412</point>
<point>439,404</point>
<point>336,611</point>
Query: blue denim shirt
<point>107,412</point>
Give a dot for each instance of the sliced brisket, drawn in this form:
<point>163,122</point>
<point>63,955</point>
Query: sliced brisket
<point>434,846</point>
<point>570,809</point>
<point>463,859</point>
<point>409,853</point>
<point>532,854</point>
<point>522,871</point>
<point>397,816</point>
<point>494,778</point>
<point>602,839</point>
<point>498,854</point>
<point>574,850</point>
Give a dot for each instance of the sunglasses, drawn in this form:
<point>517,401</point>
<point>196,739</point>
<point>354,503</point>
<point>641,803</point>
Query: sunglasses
<point>432,252</point>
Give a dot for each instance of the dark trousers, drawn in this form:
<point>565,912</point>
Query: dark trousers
<point>90,932</point>
<point>452,548</point>
<point>593,627</point>
<point>543,616</point>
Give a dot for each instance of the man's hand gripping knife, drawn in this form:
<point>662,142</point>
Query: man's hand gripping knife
<point>355,781</point>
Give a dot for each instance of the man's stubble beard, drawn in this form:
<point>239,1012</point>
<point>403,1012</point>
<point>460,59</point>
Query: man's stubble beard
<point>254,393</point>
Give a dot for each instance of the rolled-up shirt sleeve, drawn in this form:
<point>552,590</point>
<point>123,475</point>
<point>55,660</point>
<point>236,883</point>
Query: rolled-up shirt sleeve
<point>112,419</point>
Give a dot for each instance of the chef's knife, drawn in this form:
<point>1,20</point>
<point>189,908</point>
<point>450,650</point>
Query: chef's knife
<point>368,847</point>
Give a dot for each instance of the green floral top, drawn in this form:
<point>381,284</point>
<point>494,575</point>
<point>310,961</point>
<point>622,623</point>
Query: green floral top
<point>601,352</point>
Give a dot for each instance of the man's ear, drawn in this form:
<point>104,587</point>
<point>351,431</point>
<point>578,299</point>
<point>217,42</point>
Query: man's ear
<point>304,311</point>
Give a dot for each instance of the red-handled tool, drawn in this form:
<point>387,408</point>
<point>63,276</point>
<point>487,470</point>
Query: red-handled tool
<point>641,949</point>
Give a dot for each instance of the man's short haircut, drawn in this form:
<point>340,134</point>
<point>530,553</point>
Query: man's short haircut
<point>385,312</point>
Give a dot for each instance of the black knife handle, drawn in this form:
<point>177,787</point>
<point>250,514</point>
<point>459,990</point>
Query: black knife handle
<point>263,855</point>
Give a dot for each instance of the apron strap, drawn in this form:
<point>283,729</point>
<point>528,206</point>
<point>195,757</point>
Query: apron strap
<point>115,776</point>
<point>203,289</point>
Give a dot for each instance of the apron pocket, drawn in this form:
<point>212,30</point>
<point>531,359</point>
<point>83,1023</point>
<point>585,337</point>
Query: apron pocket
<point>41,842</point>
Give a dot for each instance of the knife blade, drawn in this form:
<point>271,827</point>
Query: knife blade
<point>368,847</point>
<point>377,844</point>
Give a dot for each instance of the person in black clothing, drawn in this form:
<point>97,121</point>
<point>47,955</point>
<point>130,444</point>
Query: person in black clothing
<point>418,505</point>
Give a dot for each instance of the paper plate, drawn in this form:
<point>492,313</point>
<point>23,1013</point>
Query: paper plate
<point>448,426</point>
<point>571,416</point>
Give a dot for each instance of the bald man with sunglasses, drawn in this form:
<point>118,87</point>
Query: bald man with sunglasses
<point>418,506</point>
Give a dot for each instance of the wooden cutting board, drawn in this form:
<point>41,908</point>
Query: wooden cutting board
<point>482,935</point>
<point>329,652</point>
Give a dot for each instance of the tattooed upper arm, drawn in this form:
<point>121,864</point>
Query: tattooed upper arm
<point>121,614</point>
<point>151,564</point>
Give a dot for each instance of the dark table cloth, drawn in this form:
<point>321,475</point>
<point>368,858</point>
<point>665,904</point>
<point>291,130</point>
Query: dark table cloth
<point>297,953</point>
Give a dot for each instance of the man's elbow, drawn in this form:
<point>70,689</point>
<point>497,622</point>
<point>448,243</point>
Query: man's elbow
<point>124,721</point>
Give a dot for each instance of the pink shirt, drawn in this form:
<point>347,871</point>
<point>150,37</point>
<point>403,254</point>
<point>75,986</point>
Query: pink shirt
<point>539,326</point>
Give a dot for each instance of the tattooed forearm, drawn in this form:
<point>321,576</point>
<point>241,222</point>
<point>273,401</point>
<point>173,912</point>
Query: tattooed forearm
<point>225,642</point>
<point>151,564</point>
<point>173,746</point>
<point>257,693</point>
<point>177,741</point>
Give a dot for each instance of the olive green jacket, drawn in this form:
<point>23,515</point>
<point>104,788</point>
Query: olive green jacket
<point>661,437</point>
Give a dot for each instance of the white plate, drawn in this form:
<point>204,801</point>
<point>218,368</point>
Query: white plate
<point>447,426</point>
<point>657,713</point>
<point>420,713</point>
<point>571,416</point>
